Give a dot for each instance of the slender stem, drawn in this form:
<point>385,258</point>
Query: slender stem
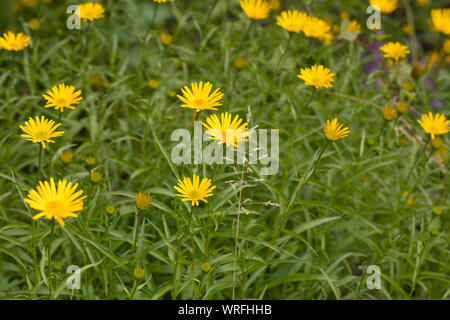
<point>281,59</point>
<point>135,231</point>
<point>50,258</point>
<point>154,14</point>
<point>417,159</point>
<point>236,238</point>
<point>162,62</point>
<point>311,98</point>
<point>210,11</point>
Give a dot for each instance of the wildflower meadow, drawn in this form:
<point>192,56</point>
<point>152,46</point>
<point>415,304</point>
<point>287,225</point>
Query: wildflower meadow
<point>224,149</point>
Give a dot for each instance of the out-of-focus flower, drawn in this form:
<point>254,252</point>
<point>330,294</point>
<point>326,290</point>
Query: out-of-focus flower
<point>34,24</point>
<point>14,42</point>
<point>437,142</point>
<point>110,209</point>
<point>152,83</point>
<point>401,106</point>
<point>90,160</point>
<point>165,38</point>
<point>240,62</point>
<point>344,15</point>
<point>95,176</point>
<point>389,113</point>
<point>206,266</point>
<point>255,9</point>
<point>395,50</point>
<point>139,273</point>
<point>91,11</point>
<point>143,200</point>
<point>386,6</point>
<point>66,156</point>
<point>292,20</point>
<point>440,20</point>
<point>434,125</point>
<point>406,29</point>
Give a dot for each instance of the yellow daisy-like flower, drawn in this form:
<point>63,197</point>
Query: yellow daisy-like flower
<point>62,96</point>
<point>316,28</point>
<point>395,50</point>
<point>56,202</point>
<point>434,125</point>
<point>386,6</point>
<point>201,98</point>
<point>440,20</point>
<point>317,76</point>
<point>14,42</point>
<point>354,26</point>
<point>256,9</point>
<point>224,130</point>
<point>91,11</point>
<point>139,273</point>
<point>194,190</point>
<point>163,1</point>
<point>66,156</point>
<point>292,20</point>
<point>40,131</point>
<point>143,200</point>
<point>389,113</point>
<point>334,130</point>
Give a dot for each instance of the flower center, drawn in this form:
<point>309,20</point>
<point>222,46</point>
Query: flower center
<point>61,101</point>
<point>199,102</point>
<point>40,135</point>
<point>194,194</point>
<point>54,207</point>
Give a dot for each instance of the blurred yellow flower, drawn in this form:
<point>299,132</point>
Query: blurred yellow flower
<point>437,142</point>
<point>139,273</point>
<point>315,27</point>
<point>386,6</point>
<point>143,200</point>
<point>437,210</point>
<point>447,46</point>
<point>40,131</point>
<point>334,130</point>
<point>410,201</point>
<point>224,130</point>
<point>165,38</point>
<point>440,20</point>
<point>317,76</point>
<point>62,96</point>
<point>240,62</point>
<point>163,1</point>
<point>194,190</point>
<point>34,24</point>
<point>354,26</point>
<point>408,86</point>
<point>256,9</point>
<point>292,20</point>
<point>422,3</point>
<point>201,98</point>
<point>110,209</point>
<point>56,202</point>
<point>406,29</point>
<point>206,266</point>
<point>66,156</point>
<point>434,125</point>
<point>95,176</point>
<point>276,4</point>
<point>344,15</point>
<point>152,83</point>
<point>401,106</point>
<point>90,160</point>
<point>29,3</point>
<point>91,11</point>
<point>395,50</point>
<point>389,113</point>
<point>14,42</point>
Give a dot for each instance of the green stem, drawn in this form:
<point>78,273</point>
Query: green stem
<point>52,232</point>
<point>311,98</point>
<point>210,11</point>
<point>281,59</point>
<point>417,159</point>
<point>154,14</point>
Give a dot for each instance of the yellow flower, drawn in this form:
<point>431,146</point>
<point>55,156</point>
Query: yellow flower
<point>95,176</point>
<point>441,152</point>
<point>29,3</point>
<point>255,9</point>
<point>410,201</point>
<point>276,4</point>
<point>354,26</point>
<point>139,273</point>
<point>406,29</point>
<point>292,20</point>
<point>143,200</point>
<point>335,131</point>
<point>447,46</point>
<point>194,190</point>
<point>408,86</point>
<point>90,160</point>
<point>315,27</point>
<point>91,11</point>
<point>206,266</point>
<point>437,210</point>
<point>14,42</point>
<point>434,125</point>
<point>389,113</point>
<point>401,106</point>
<point>394,50</point>
<point>56,202</point>
<point>240,62</point>
<point>62,96</point>
<point>437,142</point>
<point>405,193</point>
<point>166,38</point>
<point>225,130</point>
<point>34,24</point>
<point>163,1</point>
<point>40,131</point>
<point>344,15</point>
<point>201,98</point>
<point>66,156</point>
<point>317,76</point>
<point>386,6</point>
<point>110,209</point>
<point>422,3</point>
<point>440,20</point>
<point>95,78</point>
<point>152,83</point>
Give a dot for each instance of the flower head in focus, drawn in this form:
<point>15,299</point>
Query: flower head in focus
<point>434,124</point>
<point>256,9</point>
<point>317,76</point>
<point>194,190</point>
<point>40,130</point>
<point>62,96</point>
<point>14,42</point>
<point>334,130</point>
<point>201,98</point>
